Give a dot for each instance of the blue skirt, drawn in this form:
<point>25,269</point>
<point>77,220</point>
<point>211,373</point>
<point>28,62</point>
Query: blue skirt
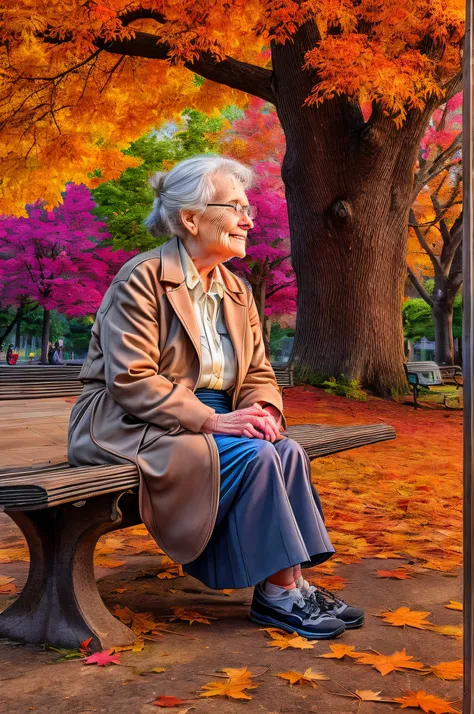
<point>269,514</point>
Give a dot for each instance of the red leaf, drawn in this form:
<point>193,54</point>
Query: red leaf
<point>165,701</point>
<point>101,659</point>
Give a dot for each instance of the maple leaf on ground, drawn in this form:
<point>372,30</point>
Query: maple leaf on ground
<point>228,688</point>
<point>282,640</point>
<point>101,659</point>
<point>242,674</point>
<point>180,613</point>
<point>454,605</point>
<point>135,647</point>
<point>406,617</point>
<point>397,573</point>
<point>447,670</point>
<point>448,630</point>
<point>388,663</point>
<point>330,582</point>
<point>124,614</point>
<point>307,677</point>
<point>427,702</point>
<point>340,651</point>
<point>167,701</point>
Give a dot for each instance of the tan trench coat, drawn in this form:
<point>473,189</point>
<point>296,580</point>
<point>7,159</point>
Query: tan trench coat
<point>138,403</point>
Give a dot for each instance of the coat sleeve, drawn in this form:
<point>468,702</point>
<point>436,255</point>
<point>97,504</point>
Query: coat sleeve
<point>129,336</point>
<point>259,384</point>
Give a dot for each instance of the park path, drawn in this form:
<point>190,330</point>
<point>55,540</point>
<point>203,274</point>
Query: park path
<point>401,495</point>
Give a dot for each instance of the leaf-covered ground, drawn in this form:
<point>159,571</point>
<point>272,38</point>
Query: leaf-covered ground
<point>394,513</point>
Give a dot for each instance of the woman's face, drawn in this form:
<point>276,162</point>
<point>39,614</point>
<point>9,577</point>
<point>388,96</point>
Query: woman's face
<point>220,231</point>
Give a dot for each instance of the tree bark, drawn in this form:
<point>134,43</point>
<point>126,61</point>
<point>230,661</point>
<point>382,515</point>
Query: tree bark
<point>443,319</point>
<point>45,336</point>
<point>10,327</point>
<point>348,187</point>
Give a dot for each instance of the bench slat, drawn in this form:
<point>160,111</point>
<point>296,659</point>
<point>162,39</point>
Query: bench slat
<point>23,489</point>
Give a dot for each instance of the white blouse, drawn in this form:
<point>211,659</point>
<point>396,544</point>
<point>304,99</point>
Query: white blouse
<point>219,366</point>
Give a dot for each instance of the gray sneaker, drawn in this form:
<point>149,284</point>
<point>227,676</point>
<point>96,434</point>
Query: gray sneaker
<point>353,617</point>
<point>293,613</point>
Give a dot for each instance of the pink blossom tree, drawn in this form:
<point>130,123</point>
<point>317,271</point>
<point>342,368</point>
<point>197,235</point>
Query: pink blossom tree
<point>57,258</point>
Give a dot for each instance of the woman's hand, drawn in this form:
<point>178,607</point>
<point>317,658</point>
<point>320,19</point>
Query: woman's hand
<point>253,422</point>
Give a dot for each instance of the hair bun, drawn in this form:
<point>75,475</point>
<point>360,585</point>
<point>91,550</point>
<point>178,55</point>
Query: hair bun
<point>157,182</point>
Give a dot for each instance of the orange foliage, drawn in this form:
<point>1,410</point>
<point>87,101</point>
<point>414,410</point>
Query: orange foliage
<point>70,107</point>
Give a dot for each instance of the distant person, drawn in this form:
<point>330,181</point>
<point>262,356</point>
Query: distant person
<point>11,356</point>
<point>50,352</point>
<point>59,347</point>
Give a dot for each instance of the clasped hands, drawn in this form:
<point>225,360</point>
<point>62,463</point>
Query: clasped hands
<point>253,422</point>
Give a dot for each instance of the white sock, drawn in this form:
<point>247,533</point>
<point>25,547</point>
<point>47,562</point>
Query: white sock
<point>275,591</point>
<point>302,584</point>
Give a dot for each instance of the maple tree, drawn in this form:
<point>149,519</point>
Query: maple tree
<point>436,222</point>
<point>354,86</point>
<point>55,258</point>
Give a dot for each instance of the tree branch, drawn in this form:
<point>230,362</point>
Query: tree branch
<point>424,244</point>
<point>231,72</point>
<point>423,292</point>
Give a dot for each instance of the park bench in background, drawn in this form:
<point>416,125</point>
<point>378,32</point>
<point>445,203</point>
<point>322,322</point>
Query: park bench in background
<point>62,512</point>
<point>430,376</point>
<point>283,374</point>
<point>39,381</point>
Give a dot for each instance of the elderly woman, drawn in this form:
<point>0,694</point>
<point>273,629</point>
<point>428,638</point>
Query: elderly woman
<point>176,381</point>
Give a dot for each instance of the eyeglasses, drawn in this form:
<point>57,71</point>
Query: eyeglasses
<point>249,211</point>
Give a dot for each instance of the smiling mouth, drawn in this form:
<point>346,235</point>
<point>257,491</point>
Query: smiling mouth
<point>232,235</point>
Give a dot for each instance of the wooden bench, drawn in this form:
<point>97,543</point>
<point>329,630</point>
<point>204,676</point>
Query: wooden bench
<point>39,381</point>
<point>62,512</point>
<point>431,375</point>
<point>283,374</point>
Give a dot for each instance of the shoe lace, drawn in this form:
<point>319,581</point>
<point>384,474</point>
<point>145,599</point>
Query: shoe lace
<point>326,599</point>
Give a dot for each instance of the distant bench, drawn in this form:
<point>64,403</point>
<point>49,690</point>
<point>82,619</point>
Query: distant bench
<point>39,381</point>
<point>431,375</point>
<point>62,512</point>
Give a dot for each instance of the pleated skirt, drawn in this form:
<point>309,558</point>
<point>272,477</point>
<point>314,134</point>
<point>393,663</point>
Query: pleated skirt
<point>269,516</point>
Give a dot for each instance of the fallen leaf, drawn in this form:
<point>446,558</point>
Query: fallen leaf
<point>143,622</point>
<point>158,670</point>
<point>124,614</point>
<point>454,605</point>
<point>398,573</point>
<point>135,647</point>
<point>101,659</point>
<point>166,701</point>
<point>447,670</point>
<point>104,562</point>
<point>283,640</point>
<point>427,702</point>
<point>406,617</point>
<point>120,590</point>
<point>307,677</point>
<point>192,616</point>
<point>367,695</point>
<point>242,674</point>
<point>228,688</point>
<point>330,582</point>
<point>340,651</point>
<point>388,663</point>
<point>448,630</point>
<point>227,591</point>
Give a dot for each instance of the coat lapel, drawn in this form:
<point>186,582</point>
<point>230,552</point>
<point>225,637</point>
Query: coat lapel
<point>234,305</point>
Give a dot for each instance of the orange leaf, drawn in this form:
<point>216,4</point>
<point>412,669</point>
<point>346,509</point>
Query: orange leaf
<point>389,663</point>
<point>427,702</point>
<point>307,677</point>
<point>454,605</point>
<point>167,701</point>
<point>406,617</point>
<point>340,651</point>
<point>283,640</point>
<point>447,670</point>
<point>398,573</point>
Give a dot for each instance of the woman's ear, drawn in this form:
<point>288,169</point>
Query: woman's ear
<point>189,219</point>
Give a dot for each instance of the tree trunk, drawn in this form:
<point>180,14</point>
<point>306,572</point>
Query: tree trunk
<point>348,187</point>
<point>11,326</point>
<point>18,331</point>
<point>443,319</point>
<point>45,336</point>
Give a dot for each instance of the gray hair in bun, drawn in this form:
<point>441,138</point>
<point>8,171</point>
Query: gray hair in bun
<point>189,186</point>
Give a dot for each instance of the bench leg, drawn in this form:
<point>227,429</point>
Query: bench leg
<point>60,604</point>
